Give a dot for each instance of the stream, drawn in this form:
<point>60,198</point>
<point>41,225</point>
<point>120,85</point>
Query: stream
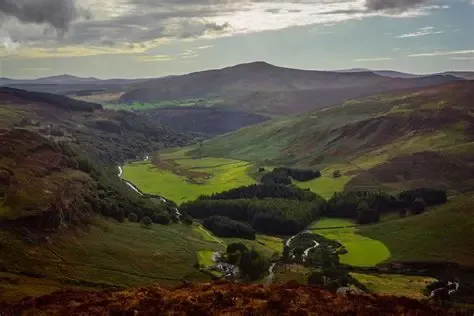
<point>134,188</point>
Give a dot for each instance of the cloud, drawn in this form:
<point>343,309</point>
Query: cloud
<point>205,47</point>
<point>462,58</point>
<point>392,5</point>
<point>113,26</point>
<point>427,30</point>
<point>34,69</point>
<point>373,59</point>
<point>444,53</point>
<point>155,58</point>
<point>57,13</point>
<point>9,44</point>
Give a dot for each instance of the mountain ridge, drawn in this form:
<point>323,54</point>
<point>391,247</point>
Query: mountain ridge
<point>264,88</point>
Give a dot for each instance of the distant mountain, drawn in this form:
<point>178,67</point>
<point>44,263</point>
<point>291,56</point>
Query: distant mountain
<point>263,88</point>
<point>385,73</point>
<point>71,85</point>
<point>66,80</point>
<point>468,75</point>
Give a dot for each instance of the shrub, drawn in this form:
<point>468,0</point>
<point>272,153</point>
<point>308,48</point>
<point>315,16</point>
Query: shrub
<point>336,174</point>
<point>132,217</point>
<point>161,218</point>
<point>146,222</point>
<point>187,220</point>
<point>417,206</point>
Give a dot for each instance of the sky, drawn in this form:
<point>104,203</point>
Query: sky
<point>153,38</point>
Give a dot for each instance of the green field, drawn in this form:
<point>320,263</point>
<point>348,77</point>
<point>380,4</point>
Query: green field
<point>326,185</point>
<point>442,233</point>
<point>162,104</point>
<point>330,222</point>
<point>267,245</point>
<point>362,251</point>
<point>395,284</point>
<point>186,179</point>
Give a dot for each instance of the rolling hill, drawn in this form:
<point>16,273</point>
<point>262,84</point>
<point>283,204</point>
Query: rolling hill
<point>263,88</point>
<point>404,139</point>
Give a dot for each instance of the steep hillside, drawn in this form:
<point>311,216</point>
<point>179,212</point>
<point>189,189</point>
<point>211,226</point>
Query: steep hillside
<point>222,299</point>
<point>105,135</point>
<point>211,121</point>
<point>264,88</point>
<point>404,139</point>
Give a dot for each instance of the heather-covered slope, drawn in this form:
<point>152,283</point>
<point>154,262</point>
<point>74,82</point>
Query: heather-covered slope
<point>223,299</point>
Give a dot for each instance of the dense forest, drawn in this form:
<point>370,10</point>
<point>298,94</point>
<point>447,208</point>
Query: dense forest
<point>258,191</point>
<point>272,209</point>
<point>285,210</point>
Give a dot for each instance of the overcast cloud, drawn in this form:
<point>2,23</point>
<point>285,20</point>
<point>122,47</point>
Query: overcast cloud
<point>143,23</point>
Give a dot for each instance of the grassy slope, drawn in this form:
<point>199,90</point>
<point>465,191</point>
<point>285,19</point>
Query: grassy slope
<point>393,284</point>
<point>361,135</point>
<point>112,253</point>
<point>443,233</point>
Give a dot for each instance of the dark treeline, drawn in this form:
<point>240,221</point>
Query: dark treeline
<point>259,191</point>
<point>268,216</point>
<point>430,196</point>
<point>283,175</point>
<point>223,226</point>
<point>366,207</point>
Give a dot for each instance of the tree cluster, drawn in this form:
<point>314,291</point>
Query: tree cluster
<point>268,216</point>
<point>283,175</point>
<point>261,191</point>
<point>366,207</point>
<point>252,265</point>
<point>430,196</point>
<point>223,226</point>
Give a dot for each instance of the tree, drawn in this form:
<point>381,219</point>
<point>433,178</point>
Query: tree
<point>403,212</point>
<point>236,247</point>
<point>417,206</point>
<point>253,265</point>
<point>120,215</point>
<point>200,149</point>
<point>187,220</point>
<point>366,215</point>
<point>146,222</point>
<point>162,219</point>
<point>132,217</point>
<point>336,174</point>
